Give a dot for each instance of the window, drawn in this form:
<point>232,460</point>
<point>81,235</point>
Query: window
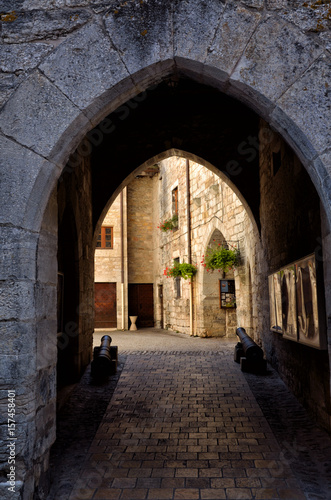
<point>105,237</point>
<point>227,294</point>
<point>177,283</point>
<point>174,199</point>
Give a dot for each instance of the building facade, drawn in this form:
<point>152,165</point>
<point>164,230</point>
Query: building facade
<point>184,190</point>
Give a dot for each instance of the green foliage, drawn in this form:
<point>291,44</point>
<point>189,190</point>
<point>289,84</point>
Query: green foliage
<point>169,224</point>
<point>183,270</point>
<point>219,257</point>
<point>187,270</point>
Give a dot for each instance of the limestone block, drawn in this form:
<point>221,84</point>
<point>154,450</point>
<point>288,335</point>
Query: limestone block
<point>16,338</point>
<point>239,223</point>
<point>17,370</point>
<point>8,82</point>
<point>40,25</point>
<point>18,253</point>
<point>25,400</point>
<point>47,259</point>
<point>15,62</point>
<point>23,56</point>
<point>5,494</point>
<point>309,16</point>
<point>52,4</point>
<point>195,20</point>
<point>322,166</point>
<point>255,4</point>
<point>46,299</point>
<point>50,218</point>
<point>142,33</point>
<point>86,66</point>
<point>38,208</point>
<point>40,121</point>
<point>232,36</point>
<point>325,194</point>
<point>17,300</point>
<point>19,170</point>
<point>325,38</point>
<point>276,4</point>
<point>46,389</point>
<point>46,429</point>
<point>9,5</point>
<point>307,101</point>
<point>21,431</point>
<point>275,57</point>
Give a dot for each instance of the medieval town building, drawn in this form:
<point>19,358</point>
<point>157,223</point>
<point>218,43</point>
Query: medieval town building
<point>181,189</point>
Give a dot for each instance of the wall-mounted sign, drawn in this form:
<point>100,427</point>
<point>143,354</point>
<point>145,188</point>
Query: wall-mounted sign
<point>297,304</point>
<point>227,294</point>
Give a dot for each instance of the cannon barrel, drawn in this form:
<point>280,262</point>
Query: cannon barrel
<point>251,349</point>
<point>104,349</point>
<point>104,359</point>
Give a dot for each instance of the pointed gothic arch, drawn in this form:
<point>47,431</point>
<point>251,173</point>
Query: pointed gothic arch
<point>96,70</point>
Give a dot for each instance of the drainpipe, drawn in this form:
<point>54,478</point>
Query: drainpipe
<point>122,258</point>
<point>189,246</point>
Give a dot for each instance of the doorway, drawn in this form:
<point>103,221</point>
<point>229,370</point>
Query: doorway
<point>105,305</point>
<point>141,303</point>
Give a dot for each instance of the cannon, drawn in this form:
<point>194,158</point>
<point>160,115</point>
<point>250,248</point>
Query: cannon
<point>249,354</point>
<point>104,359</point>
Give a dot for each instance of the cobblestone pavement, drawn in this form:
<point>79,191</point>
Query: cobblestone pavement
<point>185,423</point>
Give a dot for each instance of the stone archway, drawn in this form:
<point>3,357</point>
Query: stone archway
<point>218,321</point>
<point>253,54</point>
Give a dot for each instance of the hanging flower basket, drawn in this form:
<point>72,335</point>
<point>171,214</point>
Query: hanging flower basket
<point>183,270</point>
<point>169,224</point>
<point>220,257</point>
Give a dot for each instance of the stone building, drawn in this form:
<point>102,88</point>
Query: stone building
<point>91,95</point>
<point>216,215</point>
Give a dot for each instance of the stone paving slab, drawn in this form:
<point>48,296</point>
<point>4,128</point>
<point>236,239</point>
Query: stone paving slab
<point>156,339</point>
<point>183,423</point>
<point>306,446</point>
<point>184,426</point>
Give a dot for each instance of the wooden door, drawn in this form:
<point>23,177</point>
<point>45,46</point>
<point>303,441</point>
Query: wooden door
<point>161,306</point>
<point>141,304</point>
<point>105,305</point>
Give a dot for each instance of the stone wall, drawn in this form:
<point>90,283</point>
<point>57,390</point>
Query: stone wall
<point>75,261</point>
<point>291,229</point>
<point>35,410</point>
<point>214,207</point>
<point>108,261</point>
<point>141,224</point>
<point>173,244</point>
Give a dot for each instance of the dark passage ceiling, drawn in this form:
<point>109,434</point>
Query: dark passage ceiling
<point>188,116</point>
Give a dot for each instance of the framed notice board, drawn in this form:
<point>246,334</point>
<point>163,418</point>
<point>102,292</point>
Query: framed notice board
<point>227,294</point>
